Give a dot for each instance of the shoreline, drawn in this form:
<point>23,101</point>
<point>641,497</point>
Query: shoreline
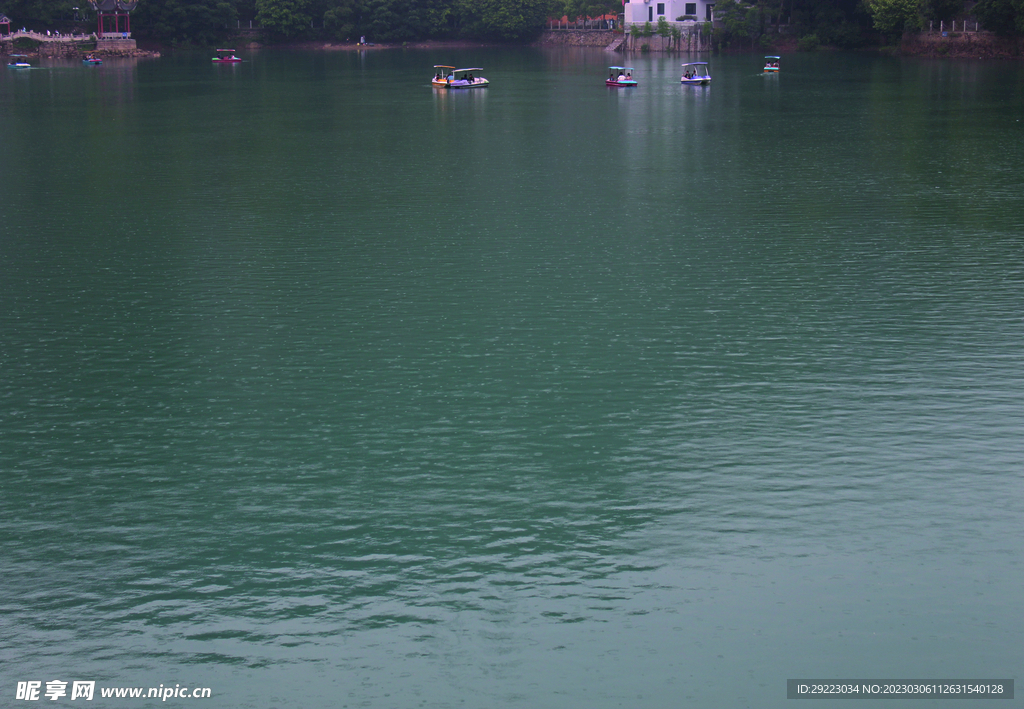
<point>321,45</point>
<point>981,45</point>
<point>961,45</point>
<point>73,49</point>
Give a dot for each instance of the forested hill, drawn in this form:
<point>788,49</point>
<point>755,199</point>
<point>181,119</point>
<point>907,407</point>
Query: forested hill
<point>840,23</point>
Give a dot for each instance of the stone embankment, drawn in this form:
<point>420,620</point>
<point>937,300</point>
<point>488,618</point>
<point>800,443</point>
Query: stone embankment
<point>69,50</point>
<point>962,45</point>
<point>74,46</point>
<point>691,39</point>
<point>578,38</point>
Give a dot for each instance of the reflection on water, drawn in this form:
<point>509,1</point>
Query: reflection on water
<point>322,383</point>
<point>448,99</point>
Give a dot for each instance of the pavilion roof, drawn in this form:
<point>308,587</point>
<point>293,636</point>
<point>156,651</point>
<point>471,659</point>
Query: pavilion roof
<point>111,5</point>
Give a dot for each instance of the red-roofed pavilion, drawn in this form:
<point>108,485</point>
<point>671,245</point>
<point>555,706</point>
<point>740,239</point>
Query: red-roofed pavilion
<point>112,17</point>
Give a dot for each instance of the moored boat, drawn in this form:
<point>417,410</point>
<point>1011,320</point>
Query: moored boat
<point>448,77</point>
<point>620,76</point>
<point>226,56</point>
<point>696,74</point>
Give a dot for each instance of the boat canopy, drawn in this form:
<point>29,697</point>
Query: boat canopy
<point>625,68</point>
<point>474,68</point>
<point>767,57</point>
<point>696,64</point>
<point>225,50</point>
<point>443,66</point>
<point>18,56</point>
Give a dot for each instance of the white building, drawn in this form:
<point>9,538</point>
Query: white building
<point>641,11</point>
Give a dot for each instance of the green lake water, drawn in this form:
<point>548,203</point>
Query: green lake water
<point>323,388</point>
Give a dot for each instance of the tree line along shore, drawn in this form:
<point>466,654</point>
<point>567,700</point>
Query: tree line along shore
<point>996,27</point>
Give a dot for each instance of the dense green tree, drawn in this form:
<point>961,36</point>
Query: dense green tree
<point>284,19</point>
<point>943,9</point>
<point>1005,17</point>
<point>506,19</point>
<point>843,23</point>
<point>184,22</point>
<point>398,20</point>
<point>893,17</point>
<point>37,13</point>
<point>574,9</point>
<point>343,20</point>
<point>840,23</point>
<point>741,24</point>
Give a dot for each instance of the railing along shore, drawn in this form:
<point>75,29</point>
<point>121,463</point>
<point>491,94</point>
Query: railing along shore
<point>581,25</point>
<point>952,27</point>
<point>54,37</point>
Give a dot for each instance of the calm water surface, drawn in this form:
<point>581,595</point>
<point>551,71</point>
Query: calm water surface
<point>322,388</point>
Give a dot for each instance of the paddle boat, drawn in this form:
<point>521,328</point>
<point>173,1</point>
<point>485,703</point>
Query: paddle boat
<point>448,77</point>
<point>19,61</point>
<point>771,64</point>
<point>620,76</point>
<point>90,59</point>
<point>226,56</point>
<point>696,74</point>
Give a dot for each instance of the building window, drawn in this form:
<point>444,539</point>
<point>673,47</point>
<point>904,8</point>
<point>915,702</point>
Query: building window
<point>691,8</point>
<point>710,14</point>
<point>650,14</point>
<point>661,8</point>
